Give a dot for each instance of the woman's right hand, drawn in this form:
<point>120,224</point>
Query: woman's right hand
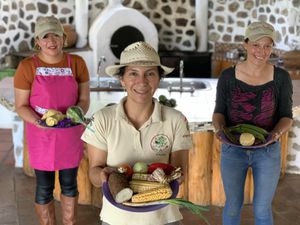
<point>218,134</point>
<point>105,172</point>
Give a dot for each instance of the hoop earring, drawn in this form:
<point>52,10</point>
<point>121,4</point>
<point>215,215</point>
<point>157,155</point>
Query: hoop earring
<point>66,43</point>
<point>36,47</point>
<point>124,90</point>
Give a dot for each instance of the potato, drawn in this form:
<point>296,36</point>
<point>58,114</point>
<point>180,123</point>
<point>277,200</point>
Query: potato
<point>247,139</point>
<point>119,187</point>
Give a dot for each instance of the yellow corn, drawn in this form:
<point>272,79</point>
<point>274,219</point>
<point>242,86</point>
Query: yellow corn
<point>53,120</point>
<point>152,195</point>
<point>50,112</point>
<point>138,186</point>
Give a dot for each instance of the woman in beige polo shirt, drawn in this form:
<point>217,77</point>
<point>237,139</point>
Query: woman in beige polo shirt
<point>128,132</point>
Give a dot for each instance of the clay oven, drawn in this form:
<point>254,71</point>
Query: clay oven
<point>115,28</point>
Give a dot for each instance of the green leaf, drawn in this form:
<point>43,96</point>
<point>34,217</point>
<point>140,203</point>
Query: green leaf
<point>195,209</point>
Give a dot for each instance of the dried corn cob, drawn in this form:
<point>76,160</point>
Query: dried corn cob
<point>153,195</point>
<point>159,175</point>
<point>54,119</point>
<point>50,112</point>
<point>142,176</point>
<point>139,186</point>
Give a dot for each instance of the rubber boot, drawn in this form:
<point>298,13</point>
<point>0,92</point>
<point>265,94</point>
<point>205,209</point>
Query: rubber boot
<point>68,209</point>
<point>46,213</point>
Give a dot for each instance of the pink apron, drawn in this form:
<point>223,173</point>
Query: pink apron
<point>54,148</point>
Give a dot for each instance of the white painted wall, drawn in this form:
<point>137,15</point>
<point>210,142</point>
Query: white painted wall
<point>6,118</point>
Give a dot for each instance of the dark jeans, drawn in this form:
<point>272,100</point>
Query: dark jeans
<point>45,181</point>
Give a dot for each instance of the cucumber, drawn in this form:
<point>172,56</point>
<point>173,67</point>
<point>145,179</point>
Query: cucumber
<point>259,133</point>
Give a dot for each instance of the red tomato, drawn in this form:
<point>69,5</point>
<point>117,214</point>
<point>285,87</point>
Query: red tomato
<point>126,169</point>
<point>167,168</point>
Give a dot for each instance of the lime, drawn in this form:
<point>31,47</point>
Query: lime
<point>172,102</point>
<point>162,98</point>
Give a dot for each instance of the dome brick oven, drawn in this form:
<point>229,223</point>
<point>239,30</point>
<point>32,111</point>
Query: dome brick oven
<point>118,26</point>
<point>113,29</point>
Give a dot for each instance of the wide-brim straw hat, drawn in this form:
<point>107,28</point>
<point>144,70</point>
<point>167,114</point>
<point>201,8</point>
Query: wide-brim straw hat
<point>138,54</point>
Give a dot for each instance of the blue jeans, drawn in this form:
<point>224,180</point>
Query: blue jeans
<point>265,164</point>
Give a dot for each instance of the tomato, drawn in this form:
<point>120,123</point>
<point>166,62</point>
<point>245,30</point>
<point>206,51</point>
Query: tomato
<point>126,169</point>
<point>167,168</point>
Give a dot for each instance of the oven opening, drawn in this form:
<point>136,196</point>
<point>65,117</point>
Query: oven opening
<point>123,37</point>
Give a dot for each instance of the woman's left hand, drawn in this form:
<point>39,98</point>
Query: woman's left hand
<point>180,180</point>
<point>275,136</point>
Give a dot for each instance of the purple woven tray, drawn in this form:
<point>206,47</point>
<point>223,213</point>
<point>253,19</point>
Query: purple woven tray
<point>226,141</point>
<point>143,207</point>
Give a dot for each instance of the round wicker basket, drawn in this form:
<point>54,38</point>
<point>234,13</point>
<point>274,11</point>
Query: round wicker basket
<point>71,35</point>
<point>291,59</point>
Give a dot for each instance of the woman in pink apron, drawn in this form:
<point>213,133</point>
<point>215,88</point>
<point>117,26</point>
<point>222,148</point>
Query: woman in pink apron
<point>52,79</point>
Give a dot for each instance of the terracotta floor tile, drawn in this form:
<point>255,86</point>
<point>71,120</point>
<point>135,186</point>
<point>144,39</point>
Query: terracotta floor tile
<point>17,198</point>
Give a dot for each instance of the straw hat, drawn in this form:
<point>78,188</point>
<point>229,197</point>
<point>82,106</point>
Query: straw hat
<point>138,54</point>
<point>258,30</point>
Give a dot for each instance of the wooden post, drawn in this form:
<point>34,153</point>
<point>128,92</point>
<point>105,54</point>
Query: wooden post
<point>217,193</point>
<point>284,149</point>
<point>199,178</point>
<point>249,188</point>
<point>83,182</point>
<point>26,166</point>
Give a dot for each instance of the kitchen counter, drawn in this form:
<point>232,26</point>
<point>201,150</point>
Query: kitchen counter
<point>197,107</point>
<point>203,184</point>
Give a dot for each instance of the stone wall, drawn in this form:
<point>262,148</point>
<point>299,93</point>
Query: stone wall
<point>228,20</point>
<point>293,156</point>
<point>174,20</point>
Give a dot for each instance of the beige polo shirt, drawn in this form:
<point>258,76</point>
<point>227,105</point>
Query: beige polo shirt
<point>166,131</point>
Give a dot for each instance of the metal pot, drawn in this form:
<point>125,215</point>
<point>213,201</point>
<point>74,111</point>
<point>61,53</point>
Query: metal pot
<point>232,54</point>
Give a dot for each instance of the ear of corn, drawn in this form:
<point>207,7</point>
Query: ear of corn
<point>141,176</point>
<point>140,185</point>
<point>153,195</point>
<point>53,120</point>
<point>50,112</point>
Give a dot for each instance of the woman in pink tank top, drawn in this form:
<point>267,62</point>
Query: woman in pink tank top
<point>54,86</point>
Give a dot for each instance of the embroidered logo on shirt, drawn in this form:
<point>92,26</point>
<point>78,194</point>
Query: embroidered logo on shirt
<point>160,143</point>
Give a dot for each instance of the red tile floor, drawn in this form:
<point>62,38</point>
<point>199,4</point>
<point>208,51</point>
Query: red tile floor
<point>17,194</point>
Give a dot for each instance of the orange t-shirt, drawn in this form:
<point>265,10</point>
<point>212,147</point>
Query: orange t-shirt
<point>25,72</point>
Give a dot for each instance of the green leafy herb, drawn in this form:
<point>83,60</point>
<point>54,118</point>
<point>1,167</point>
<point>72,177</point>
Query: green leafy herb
<point>195,209</point>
